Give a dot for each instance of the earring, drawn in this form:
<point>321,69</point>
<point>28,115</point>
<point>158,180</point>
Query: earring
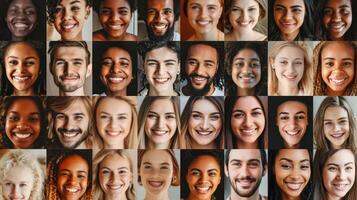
<point>174,179</point>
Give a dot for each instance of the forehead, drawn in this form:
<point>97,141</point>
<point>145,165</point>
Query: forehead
<point>115,4</point>
<point>65,2</point>
<point>70,53</point>
<point>337,50</point>
<point>106,105</point>
<point>19,173</point>
<point>335,112</point>
<point>204,106</point>
<point>246,53</point>
<point>292,106</point>
<point>245,3</point>
<point>337,3</point>
<point>23,105</point>
<point>156,157</point>
<point>160,4</point>
<point>22,49</point>
<point>204,52</point>
<point>76,106</point>
<point>290,2</point>
<point>205,163</point>
<point>22,3</point>
<point>245,154</point>
<point>247,102</point>
<point>291,52</point>
<point>116,52</point>
<point>341,157</point>
<point>162,106</point>
<point>114,161</point>
<point>293,154</point>
<point>161,53</point>
<point>74,163</point>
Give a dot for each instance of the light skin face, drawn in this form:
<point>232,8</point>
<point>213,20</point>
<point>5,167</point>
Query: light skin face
<point>289,17</point>
<point>336,126</point>
<point>247,120</point>
<point>70,69</point>
<point>115,17</point>
<point>246,69</point>
<point>160,16</point>
<point>203,176</point>
<point>337,67</point>
<point>23,123</point>
<point>72,177</point>
<point>160,123</point>
<point>292,121</point>
<point>205,123</point>
<point>337,18</point>
<point>203,15</point>
<point>18,183</point>
<point>116,70</point>
<point>289,66</point>
<point>339,174</point>
<point>292,171</point>
<point>115,176</point>
<point>245,171</point>
<point>156,172</point>
<point>71,125</point>
<point>21,18</point>
<point>244,15</point>
<point>161,68</point>
<point>113,120</point>
<point>22,67</point>
<point>70,17</point>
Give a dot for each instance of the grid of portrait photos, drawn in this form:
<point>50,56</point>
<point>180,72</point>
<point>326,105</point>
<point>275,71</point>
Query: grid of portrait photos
<point>178,99</point>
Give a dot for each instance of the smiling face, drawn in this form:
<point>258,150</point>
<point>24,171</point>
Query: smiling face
<point>244,15</point>
<point>289,66</point>
<point>337,67</point>
<point>205,123</point>
<point>337,18</point>
<point>156,172</point>
<point>69,18</point>
<point>22,66</point>
<point>21,18</point>
<point>116,71</point>
<point>160,18</point>
<point>115,17</point>
<point>18,183</point>
<point>203,15</point>
<point>247,120</point>
<point>203,176</point>
<point>336,126</point>
<point>289,16</point>
<point>115,176</point>
<point>113,120</point>
<point>246,69</point>
<point>292,121</point>
<point>160,123</point>
<point>23,123</point>
<point>72,177</point>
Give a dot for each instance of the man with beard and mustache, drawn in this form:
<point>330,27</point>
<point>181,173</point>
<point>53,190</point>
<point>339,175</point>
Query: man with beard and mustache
<point>245,169</point>
<point>160,17</point>
<point>70,66</point>
<point>202,69</point>
<point>70,122</point>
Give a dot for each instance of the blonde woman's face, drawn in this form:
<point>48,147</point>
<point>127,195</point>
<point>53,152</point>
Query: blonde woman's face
<point>244,15</point>
<point>336,126</point>
<point>18,183</point>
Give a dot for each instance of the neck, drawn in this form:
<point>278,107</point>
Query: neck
<point>120,196</point>
<point>289,37</point>
<point>116,93</point>
<point>211,145</point>
<point>295,146</point>
<point>210,36</point>
<point>17,39</point>
<point>168,92</point>
<point>330,197</point>
<point>288,90</point>
<point>245,92</point>
<point>211,90</point>
<point>191,197</point>
<point>286,197</point>
<point>77,38</point>
<point>330,92</point>
<point>152,145</point>
<point>243,34</point>
<point>162,196</point>
<point>78,92</point>
<point>235,196</point>
<point>28,92</point>
<point>114,146</point>
<point>244,145</point>
<point>120,38</point>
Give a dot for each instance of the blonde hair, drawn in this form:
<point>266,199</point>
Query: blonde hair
<point>98,193</point>
<point>144,109</point>
<point>130,142</point>
<point>16,158</point>
<point>306,82</point>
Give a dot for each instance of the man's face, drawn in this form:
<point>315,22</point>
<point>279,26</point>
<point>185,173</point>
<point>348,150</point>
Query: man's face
<point>69,68</point>
<point>160,19</point>
<point>71,124</point>
<point>201,67</point>
<point>245,171</point>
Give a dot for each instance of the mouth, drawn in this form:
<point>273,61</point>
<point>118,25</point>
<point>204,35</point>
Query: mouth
<point>198,80</point>
<point>244,23</point>
<point>67,27</point>
<point>338,81</point>
<point>294,185</point>
<point>22,135</point>
<point>161,80</point>
<point>21,26</point>
<point>71,189</point>
<point>245,183</point>
<point>203,133</point>
<point>70,135</point>
<point>247,79</point>
<point>337,135</point>
<point>160,27</point>
<point>69,78</point>
<point>293,132</point>
<point>115,187</point>
<point>116,26</point>
<point>290,77</point>
<point>202,189</point>
<point>340,186</point>
<point>21,78</point>
<point>156,184</point>
<point>337,27</point>
<point>203,22</point>
<point>113,133</point>
<point>115,80</point>
<point>248,132</point>
<point>159,132</point>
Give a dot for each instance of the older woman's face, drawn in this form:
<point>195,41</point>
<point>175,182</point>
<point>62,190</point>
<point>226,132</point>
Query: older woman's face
<point>18,183</point>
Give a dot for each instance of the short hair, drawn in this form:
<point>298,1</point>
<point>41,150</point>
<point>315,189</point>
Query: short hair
<point>16,158</point>
<point>143,8</point>
<point>97,4</point>
<point>263,156</point>
<point>321,141</point>
<point>97,160</point>
<point>51,8</point>
<point>147,46</point>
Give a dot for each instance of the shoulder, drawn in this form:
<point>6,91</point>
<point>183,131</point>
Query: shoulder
<point>130,37</point>
<point>99,36</point>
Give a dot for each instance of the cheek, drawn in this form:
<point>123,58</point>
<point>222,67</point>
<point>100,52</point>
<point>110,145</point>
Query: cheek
<point>257,73</point>
<point>172,124</point>
<point>103,18</point>
<point>350,72</point>
<point>192,123</point>
<point>326,20</point>
<point>236,123</point>
<point>217,125</point>
<point>149,124</point>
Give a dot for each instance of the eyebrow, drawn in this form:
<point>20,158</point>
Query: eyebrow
<point>210,170</point>
<point>78,171</point>
<point>103,112</point>
<point>78,114</point>
<point>294,6</point>
<point>288,160</point>
<point>117,168</point>
<point>33,113</point>
<point>214,113</point>
<point>254,109</point>
<point>337,119</point>
<point>286,113</point>
<point>25,58</point>
<point>250,160</point>
<point>152,112</point>
<point>242,58</point>
<point>112,58</point>
<point>209,61</point>
<point>76,1</point>
<point>342,6</point>
<point>334,164</point>
<point>331,58</point>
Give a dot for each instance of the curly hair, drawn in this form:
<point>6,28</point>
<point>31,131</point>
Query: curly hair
<point>143,8</point>
<point>51,8</point>
<point>97,3</point>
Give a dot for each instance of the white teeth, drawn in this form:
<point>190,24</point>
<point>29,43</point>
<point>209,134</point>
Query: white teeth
<point>116,27</point>
<point>337,135</point>
<point>156,183</point>
<point>68,26</point>
<point>203,22</point>
<point>244,23</point>
<point>73,190</point>
<point>113,133</point>
<point>20,25</point>
<point>294,186</point>
<point>20,78</point>
<point>115,187</point>
<point>113,79</point>
<point>22,136</point>
<point>69,134</point>
<point>248,131</point>
<point>161,80</point>
<point>199,78</point>
<point>292,133</point>
<point>340,186</point>
<point>202,189</point>
<point>161,27</point>
<point>159,132</point>
<point>203,132</point>
<point>337,81</point>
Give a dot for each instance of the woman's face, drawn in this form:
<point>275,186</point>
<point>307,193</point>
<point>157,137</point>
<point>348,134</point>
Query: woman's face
<point>160,123</point>
<point>18,183</point>
<point>246,69</point>
<point>203,176</point>
<point>70,16</point>
<point>203,15</point>
<point>21,18</point>
<point>337,18</point>
<point>337,66</point>
<point>247,120</point>
<point>292,121</point>
<point>116,69</point>
<point>114,175</point>
<point>72,177</point>
<point>113,120</point>
<point>23,123</point>
<point>339,174</point>
<point>244,15</point>
<point>292,171</point>
<point>115,17</point>
<point>289,16</point>
<point>22,66</point>
<point>336,126</point>
<point>289,66</point>
<point>205,122</point>
<point>156,171</point>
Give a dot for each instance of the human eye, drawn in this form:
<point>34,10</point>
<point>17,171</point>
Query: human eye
<point>279,9</point>
<point>329,64</point>
<point>77,63</point>
<point>152,116</point>
<point>30,11</point>
<point>212,174</point>
<point>123,12</point>
<point>124,64</point>
<point>107,62</point>
<point>60,116</point>
<point>328,11</point>
<point>78,118</point>
<point>195,172</point>
<point>170,116</point>
<point>105,11</point>
<point>122,117</point>
<point>345,11</point>
<point>332,169</point>
<point>195,7</point>
<point>215,117</point>
<point>209,64</point>
<point>299,62</point>
<point>13,62</point>
<point>346,64</point>
<point>30,62</point>
<point>34,118</point>
<point>152,64</point>
<point>284,117</point>
<point>82,176</point>
<point>105,172</point>
<point>192,62</point>
<point>283,62</point>
<point>328,123</point>
<point>23,185</point>
<point>285,166</point>
<point>305,167</point>
<point>147,167</point>
<point>75,8</point>
<point>256,113</point>
<point>255,65</point>
<point>239,64</point>
<point>168,11</point>
<point>58,9</point>
<point>237,164</point>
<point>253,165</point>
<point>300,117</point>
<point>343,122</point>
<point>59,62</point>
<point>239,115</point>
<point>164,167</point>
<point>349,168</point>
<point>13,117</point>
<point>196,116</point>
<point>151,12</point>
<point>297,10</point>
<point>252,9</point>
<point>212,8</point>
<point>103,116</point>
<point>235,8</point>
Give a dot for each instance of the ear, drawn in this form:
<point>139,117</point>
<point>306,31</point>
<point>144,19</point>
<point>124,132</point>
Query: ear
<point>89,70</point>
<point>271,62</point>
<point>87,12</point>
<point>226,170</point>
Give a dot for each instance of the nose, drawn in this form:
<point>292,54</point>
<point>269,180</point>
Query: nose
<point>200,70</point>
<point>288,14</point>
<point>158,16</point>
<point>337,127</point>
<point>113,123</point>
<point>291,68</point>
<point>244,171</point>
<point>245,15</point>
<point>72,180</point>
<point>342,174</point>
<point>336,17</point>
<point>203,13</point>
<point>295,173</point>
<point>248,120</point>
<point>161,122</point>
<point>116,68</point>
<point>114,177</point>
<point>246,68</point>
<point>66,13</point>
<point>22,124</point>
<point>15,192</point>
<point>68,124</point>
<point>205,123</point>
<point>160,69</point>
<point>203,178</point>
<point>115,16</point>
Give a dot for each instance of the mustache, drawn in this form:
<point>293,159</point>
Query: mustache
<point>247,178</point>
<point>194,74</point>
<point>74,130</point>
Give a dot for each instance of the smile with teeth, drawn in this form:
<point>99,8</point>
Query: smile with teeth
<point>161,80</point>
<point>116,79</point>
<point>21,25</point>
<point>68,27</point>
<point>115,187</point>
<point>294,185</point>
<point>116,26</point>
<point>337,135</point>
<point>113,133</point>
<point>69,78</point>
<point>159,132</point>
<point>72,190</point>
<point>198,80</point>
<point>202,189</point>
<point>337,81</point>
<point>22,135</point>
<point>21,78</point>
<point>156,183</point>
<point>247,78</point>
<point>243,23</point>
<point>337,27</point>
<point>340,186</point>
<point>290,77</point>
<point>292,132</point>
<point>203,133</point>
<point>245,182</point>
<point>248,132</point>
<point>203,22</point>
<point>160,27</point>
<point>70,134</point>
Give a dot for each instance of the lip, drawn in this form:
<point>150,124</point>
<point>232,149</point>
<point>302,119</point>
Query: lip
<point>288,25</point>
<point>338,81</point>
<point>294,185</point>
<point>156,184</point>
<point>202,189</point>
<point>202,22</point>
<point>115,187</point>
<point>248,132</point>
<point>160,27</point>
<point>69,136</point>
<point>247,79</point>
<point>69,78</point>
<point>159,132</point>
<point>113,133</point>
<point>21,78</point>
<point>290,77</point>
<point>198,80</point>
<point>293,132</point>
<point>337,27</point>
<point>72,189</point>
<point>115,80</point>
<point>337,135</point>
<point>340,186</point>
<point>243,23</point>
<point>203,133</point>
<point>161,80</point>
<point>23,135</point>
<point>245,183</point>
<point>116,26</point>
<point>68,27</point>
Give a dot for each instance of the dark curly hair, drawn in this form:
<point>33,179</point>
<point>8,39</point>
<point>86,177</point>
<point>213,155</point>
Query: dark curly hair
<point>96,5</point>
<point>143,8</point>
<point>51,8</point>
